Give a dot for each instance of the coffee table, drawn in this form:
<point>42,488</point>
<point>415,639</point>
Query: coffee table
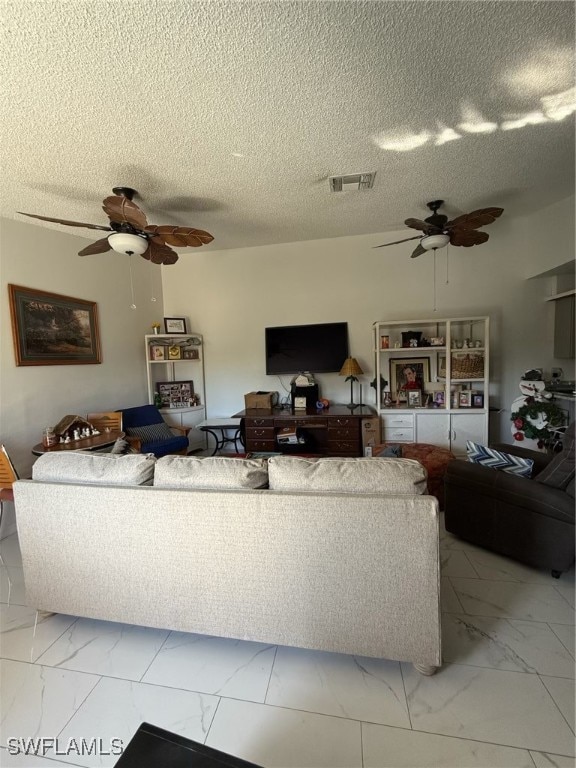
<point>153,747</point>
<point>86,444</point>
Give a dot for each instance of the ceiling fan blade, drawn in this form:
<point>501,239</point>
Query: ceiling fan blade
<point>122,210</point>
<point>100,246</point>
<point>467,237</point>
<point>180,236</point>
<point>68,223</point>
<point>423,226</point>
<point>159,253</point>
<point>418,237</point>
<point>479,218</point>
<point>418,251</point>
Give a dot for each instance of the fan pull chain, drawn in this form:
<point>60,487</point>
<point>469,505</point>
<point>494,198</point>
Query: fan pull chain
<point>152,297</point>
<point>434,308</point>
<point>447,258</point>
<point>133,305</point>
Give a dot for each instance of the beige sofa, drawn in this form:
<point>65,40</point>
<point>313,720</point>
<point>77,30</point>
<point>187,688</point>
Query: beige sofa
<point>336,570</point>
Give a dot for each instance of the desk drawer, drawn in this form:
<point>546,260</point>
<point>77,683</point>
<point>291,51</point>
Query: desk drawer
<point>260,433</point>
<point>344,421</point>
<point>343,448</point>
<point>303,422</point>
<point>399,435</point>
<point>260,445</point>
<point>347,433</point>
<point>256,422</point>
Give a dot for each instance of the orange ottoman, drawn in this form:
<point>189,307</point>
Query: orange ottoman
<point>434,458</point>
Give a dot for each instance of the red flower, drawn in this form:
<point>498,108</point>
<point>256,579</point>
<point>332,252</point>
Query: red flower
<point>519,436</point>
<point>518,423</point>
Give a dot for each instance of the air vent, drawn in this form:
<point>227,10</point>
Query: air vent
<point>352,182</point>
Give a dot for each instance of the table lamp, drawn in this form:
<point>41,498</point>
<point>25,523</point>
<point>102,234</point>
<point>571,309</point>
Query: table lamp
<point>351,370</point>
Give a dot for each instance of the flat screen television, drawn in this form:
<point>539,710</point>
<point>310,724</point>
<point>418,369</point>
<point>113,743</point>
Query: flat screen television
<point>320,348</point>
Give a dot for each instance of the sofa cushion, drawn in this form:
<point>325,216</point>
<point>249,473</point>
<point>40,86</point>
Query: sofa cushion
<point>561,470</point>
<point>213,472</point>
<point>359,475</point>
<point>94,468</point>
<point>493,459</point>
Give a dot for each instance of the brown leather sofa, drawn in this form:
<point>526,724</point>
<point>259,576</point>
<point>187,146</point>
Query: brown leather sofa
<point>525,519</point>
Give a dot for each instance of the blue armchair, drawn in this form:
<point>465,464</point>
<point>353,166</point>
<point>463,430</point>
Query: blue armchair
<point>145,423</point>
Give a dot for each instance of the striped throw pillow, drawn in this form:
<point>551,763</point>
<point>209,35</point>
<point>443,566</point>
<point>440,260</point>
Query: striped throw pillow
<point>151,433</point>
<point>506,462</point>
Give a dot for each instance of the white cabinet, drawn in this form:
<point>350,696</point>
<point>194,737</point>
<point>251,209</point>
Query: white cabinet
<point>437,374</point>
<point>178,360</point>
<point>398,427</point>
<point>451,430</point>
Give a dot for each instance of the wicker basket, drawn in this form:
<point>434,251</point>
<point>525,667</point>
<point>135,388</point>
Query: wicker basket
<point>468,366</point>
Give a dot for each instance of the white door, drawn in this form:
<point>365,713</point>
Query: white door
<point>433,428</point>
<point>467,426</point>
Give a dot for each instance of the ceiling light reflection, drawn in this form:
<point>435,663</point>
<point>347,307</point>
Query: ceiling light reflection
<point>555,107</point>
<point>559,105</point>
<point>474,122</point>
<point>445,135</point>
<point>521,121</point>
<point>402,142</point>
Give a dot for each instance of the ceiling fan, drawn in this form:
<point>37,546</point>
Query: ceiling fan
<point>131,232</point>
<point>438,231</point>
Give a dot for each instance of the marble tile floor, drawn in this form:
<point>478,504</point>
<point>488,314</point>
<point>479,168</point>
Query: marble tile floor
<point>504,697</point>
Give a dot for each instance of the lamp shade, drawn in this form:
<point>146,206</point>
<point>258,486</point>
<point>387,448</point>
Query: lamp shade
<point>126,242</point>
<point>351,368</point>
<point>432,242</point>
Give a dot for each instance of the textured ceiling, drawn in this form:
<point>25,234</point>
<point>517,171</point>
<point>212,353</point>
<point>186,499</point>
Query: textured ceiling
<point>231,116</point>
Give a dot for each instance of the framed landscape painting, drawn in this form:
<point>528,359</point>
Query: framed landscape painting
<point>50,329</point>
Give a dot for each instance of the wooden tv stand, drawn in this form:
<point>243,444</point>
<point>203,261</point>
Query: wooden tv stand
<point>335,431</point>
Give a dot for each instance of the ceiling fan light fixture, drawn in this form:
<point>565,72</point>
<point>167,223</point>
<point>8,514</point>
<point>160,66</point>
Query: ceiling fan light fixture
<point>431,242</point>
<point>126,242</point>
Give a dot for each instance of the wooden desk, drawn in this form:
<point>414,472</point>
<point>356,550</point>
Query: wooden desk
<point>86,444</point>
<point>334,431</point>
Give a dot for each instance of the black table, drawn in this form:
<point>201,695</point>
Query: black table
<point>218,429</point>
<point>153,747</point>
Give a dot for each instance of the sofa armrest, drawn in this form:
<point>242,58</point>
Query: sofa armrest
<point>181,430</point>
<point>466,480</point>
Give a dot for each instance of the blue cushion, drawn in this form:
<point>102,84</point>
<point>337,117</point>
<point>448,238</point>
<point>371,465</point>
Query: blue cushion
<point>493,459</point>
<point>141,416</point>
<point>176,444</point>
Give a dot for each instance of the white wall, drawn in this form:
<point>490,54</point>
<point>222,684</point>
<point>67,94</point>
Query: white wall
<point>32,397</point>
<point>232,295</point>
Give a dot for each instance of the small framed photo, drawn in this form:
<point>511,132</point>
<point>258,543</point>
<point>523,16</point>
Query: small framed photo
<point>174,352</point>
<point>190,354</point>
<point>157,352</point>
<point>440,399</point>
<point>175,325</point>
<point>477,400</point>
<point>414,398</point>
<point>465,399</point>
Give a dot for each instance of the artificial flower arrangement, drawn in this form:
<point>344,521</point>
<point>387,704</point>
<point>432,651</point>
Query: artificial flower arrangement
<point>536,419</point>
